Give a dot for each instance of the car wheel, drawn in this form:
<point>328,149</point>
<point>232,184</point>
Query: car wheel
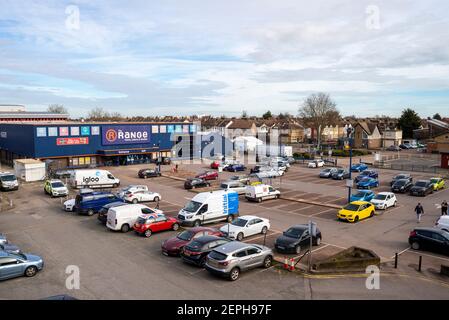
<point>264,230</point>
<point>148,233</point>
<point>175,226</point>
<point>395,204</point>
<point>371,214</point>
<point>197,223</point>
<point>90,212</point>
<point>30,271</point>
<point>115,185</point>
<point>203,262</point>
<point>415,245</point>
<point>356,219</point>
<point>298,249</point>
<point>267,262</point>
<point>240,237</point>
<point>125,228</point>
<point>156,199</point>
<point>135,201</point>
<point>234,275</point>
<point>259,200</point>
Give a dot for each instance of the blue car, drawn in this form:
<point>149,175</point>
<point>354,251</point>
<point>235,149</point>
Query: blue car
<point>363,195</point>
<point>91,203</point>
<point>367,173</point>
<point>235,168</point>
<point>359,167</point>
<point>367,183</point>
<point>19,264</point>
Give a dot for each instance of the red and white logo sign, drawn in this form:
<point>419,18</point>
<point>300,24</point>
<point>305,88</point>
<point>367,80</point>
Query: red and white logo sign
<point>111,135</point>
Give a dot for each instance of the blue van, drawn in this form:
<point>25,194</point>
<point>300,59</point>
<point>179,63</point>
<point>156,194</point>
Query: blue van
<point>91,203</point>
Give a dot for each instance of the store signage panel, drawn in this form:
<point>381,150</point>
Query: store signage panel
<point>71,141</point>
<point>125,134</point>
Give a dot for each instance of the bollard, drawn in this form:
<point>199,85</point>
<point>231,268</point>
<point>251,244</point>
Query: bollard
<point>10,203</point>
<point>264,238</point>
<point>285,263</point>
<point>419,263</point>
<point>396,260</point>
<point>292,264</point>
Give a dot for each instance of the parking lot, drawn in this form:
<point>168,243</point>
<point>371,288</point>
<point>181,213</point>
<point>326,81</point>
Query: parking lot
<point>125,266</point>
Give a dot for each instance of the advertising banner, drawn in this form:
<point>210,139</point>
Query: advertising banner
<point>71,141</point>
<point>125,134</point>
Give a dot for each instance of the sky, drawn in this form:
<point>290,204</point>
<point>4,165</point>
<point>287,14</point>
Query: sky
<point>222,57</point>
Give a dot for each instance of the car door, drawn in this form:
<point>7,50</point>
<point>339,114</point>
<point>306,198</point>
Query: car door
<point>243,258</point>
<point>10,267</point>
<point>256,257</point>
<point>438,242</point>
<point>162,223</point>
<point>250,228</point>
<point>425,239</point>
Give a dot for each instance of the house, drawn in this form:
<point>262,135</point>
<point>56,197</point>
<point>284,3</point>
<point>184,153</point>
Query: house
<point>440,144</point>
<point>240,127</point>
<point>367,136</point>
<point>431,128</point>
<point>391,137</point>
<point>291,132</point>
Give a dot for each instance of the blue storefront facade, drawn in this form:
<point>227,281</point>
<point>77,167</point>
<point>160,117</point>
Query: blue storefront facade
<point>84,144</point>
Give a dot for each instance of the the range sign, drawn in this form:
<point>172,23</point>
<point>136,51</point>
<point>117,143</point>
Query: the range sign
<point>71,141</point>
<point>125,134</point>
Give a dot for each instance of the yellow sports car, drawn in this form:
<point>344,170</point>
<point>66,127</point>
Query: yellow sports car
<point>356,210</point>
<point>437,184</point>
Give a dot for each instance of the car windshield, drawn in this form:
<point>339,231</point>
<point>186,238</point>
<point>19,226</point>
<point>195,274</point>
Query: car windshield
<point>400,183</point>
<point>380,197</point>
<point>421,184</point>
<point>294,233</point>
<point>434,180</point>
<point>341,171</point>
<point>366,173</point>
<point>360,194</point>
<point>57,185</point>
<point>195,245</point>
<point>20,256</point>
<point>9,177</point>
<point>352,207</point>
<point>192,206</point>
<point>223,186</point>
<point>365,179</point>
<point>239,222</point>
<point>326,170</point>
<point>401,176</point>
<point>185,235</point>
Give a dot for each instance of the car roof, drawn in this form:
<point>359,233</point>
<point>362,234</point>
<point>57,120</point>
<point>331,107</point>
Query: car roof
<point>365,191</point>
<point>358,203</point>
<point>206,239</point>
<point>232,247</point>
<point>430,229</point>
<point>249,217</point>
<point>385,193</point>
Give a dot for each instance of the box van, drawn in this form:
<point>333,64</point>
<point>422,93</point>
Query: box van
<point>91,203</point>
<point>261,192</point>
<point>208,207</point>
<point>93,179</point>
<point>8,181</point>
<point>124,217</point>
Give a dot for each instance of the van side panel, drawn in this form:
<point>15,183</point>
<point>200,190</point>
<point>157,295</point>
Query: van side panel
<point>232,203</point>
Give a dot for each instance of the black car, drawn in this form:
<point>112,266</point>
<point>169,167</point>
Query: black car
<point>196,183</point>
<point>197,250</point>
<point>431,239</point>
<point>394,148</point>
<point>103,213</point>
<point>256,169</point>
<point>295,238</point>
<point>401,176</point>
<point>148,173</point>
<point>401,186</point>
<point>340,174</point>
<point>421,188</point>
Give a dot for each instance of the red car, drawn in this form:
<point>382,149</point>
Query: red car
<point>208,175</point>
<point>174,246</point>
<point>215,165</point>
<point>154,222</point>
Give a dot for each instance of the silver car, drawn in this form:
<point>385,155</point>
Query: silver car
<point>234,257</point>
<point>9,247</point>
<point>236,186</point>
<point>17,265</point>
<point>328,172</point>
<point>3,239</point>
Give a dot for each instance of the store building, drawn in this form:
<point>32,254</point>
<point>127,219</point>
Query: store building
<point>78,144</point>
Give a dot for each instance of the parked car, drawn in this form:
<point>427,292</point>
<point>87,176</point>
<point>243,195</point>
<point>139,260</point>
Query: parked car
<point>340,174</point>
<point>359,167</point>
<point>366,173</point>
<point>215,165</point>
<point>315,164</point>
<point>243,179</point>
<point>141,196</point>
<point>174,246</point>
<point>17,265</point>
<point>421,188</point>
<point>362,195</point>
<point>3,239</point>
<point>401,176</point>
<point>443,223</point>
<point>295,238</point>
<point>384,200</point>
<point>328,172</point>
<point>8,181</point>
<point>55,188</point>
<point>404,146</point>
<point>235,168</point>
<point>356,211</point>
<point>148,173</point>
<point>432,239</point>
<point>131,188</point>
<point>394,148</point>
<point>194,183</point>
<point>236,186</point>
<point>438,184</point>
<point>267,174</point>
<point>123,218</point>
<point>147,224</point>
<point>402,186</point>
<point>231,259</point>
<point>197,250</point>
<point>103,212</point>
<point>261,192</point>
<point>256,169</point>
<point>69,205</point>
<point>367,183</point>
<point>92,202</point>
<point>245,226</point>
<point>208,175</point>
<point>10,248</point>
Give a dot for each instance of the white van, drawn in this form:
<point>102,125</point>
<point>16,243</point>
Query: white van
<point>93,179</point>
<point>208,207</point>
<point>123,217</point>
<point>8,181</point>
<point>261,192</point>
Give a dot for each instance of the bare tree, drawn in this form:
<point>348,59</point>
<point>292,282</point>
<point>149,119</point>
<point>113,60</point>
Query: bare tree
<point>57,108</point>
<point>100,114</point>
<point>318,111</point>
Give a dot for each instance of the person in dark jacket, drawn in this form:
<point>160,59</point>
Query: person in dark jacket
<point>419,210</point>
<point>444,208</point>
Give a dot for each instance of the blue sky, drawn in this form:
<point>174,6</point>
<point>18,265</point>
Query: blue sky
<point>216,57</point>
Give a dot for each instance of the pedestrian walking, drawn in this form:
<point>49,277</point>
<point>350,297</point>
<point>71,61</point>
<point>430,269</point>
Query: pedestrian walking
<point>157,203</point>
<point>444,208</point>
<point>419,211</point>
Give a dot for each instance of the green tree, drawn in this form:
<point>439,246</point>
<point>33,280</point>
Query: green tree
<point>437,116</point>
<point>267,115</point>
<point>408,122</point>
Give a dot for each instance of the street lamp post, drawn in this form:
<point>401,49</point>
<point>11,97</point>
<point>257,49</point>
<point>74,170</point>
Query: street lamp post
<point>349,130</point>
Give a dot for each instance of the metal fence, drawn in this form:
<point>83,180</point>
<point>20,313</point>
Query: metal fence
<point>412,167</point>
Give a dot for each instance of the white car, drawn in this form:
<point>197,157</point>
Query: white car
<point>131,188</point>
<point>384,200</point>
<point>443,223</point>
<point>315,164</point>
<point>273,173</point>
<point>69,205</point>
<point>141,196</point>
<point>245,226</point>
